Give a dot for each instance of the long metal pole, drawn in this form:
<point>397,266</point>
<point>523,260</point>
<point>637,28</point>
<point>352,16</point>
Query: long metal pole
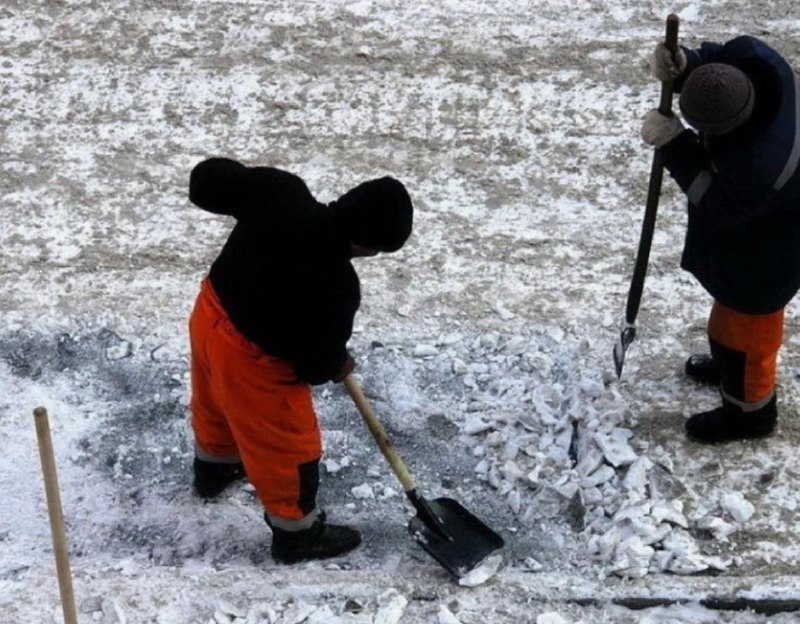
<point>628,329</point>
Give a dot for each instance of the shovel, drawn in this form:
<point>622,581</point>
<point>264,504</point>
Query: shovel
<point>628,325</point>
<point>453,536</point>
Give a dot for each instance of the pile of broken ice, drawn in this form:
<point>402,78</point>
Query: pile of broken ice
<point>552,435</point>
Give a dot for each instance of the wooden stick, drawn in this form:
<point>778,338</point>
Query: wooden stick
<point>56,515</point>
<point>379,433</point>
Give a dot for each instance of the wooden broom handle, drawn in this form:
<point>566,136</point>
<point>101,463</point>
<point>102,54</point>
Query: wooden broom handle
<point>56,515</point>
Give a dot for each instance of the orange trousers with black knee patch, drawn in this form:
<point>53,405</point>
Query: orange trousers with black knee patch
<point>245,405</point>
<point>746,348</point>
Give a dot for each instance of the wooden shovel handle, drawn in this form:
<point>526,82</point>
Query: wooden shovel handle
<point>379,433</point>
<point>56,515</point>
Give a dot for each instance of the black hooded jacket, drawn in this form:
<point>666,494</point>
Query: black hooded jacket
<point>284,275</point>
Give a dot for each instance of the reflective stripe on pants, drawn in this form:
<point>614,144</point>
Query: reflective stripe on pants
<point>746,348</point>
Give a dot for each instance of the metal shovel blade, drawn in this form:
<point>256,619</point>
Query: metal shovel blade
<point>470,540</point>
<point>626,335</point>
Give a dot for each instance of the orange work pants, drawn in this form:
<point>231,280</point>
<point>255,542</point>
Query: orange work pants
<point>245,405</point>
<point>746,348</point>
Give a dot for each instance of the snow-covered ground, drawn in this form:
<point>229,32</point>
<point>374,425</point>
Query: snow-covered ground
<point>484,345</point>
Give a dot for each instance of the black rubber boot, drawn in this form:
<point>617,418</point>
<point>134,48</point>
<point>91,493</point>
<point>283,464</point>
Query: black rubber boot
<point>729,423</point>
<point>320,541</point>
<point>703,367</point>
<point>210,478</point>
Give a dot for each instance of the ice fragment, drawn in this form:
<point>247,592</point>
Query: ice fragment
<point>737,506</point>
<point>482,573</point>
<point>669,512</point>
<point>615,447</point>
<point>445,616</point>
<point>392,605</point>
<point>363,491</point>
<point>551,617</point>
<point>425,351</point>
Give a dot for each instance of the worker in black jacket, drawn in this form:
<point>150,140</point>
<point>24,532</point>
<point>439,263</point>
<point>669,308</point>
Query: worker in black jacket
<point>273,318</point>
<point>739,171</point>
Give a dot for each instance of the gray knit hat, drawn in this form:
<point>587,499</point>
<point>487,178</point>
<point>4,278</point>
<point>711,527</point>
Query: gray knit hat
<point>716,98</point>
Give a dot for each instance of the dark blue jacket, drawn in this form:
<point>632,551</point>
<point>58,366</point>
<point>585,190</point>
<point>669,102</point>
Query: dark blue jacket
<point>743,236</point>
<point>284,275</point>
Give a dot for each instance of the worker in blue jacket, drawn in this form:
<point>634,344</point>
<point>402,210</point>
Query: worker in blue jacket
<point>739,170</point>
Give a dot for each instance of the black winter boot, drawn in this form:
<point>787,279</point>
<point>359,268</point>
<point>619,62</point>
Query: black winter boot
<point>729,422</point>
<point>319,541</point>
<point>210,478</point>
<point>703,367</point>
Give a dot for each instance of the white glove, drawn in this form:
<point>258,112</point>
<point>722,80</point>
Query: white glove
<point>658,129</point>
<point>664,66</point>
